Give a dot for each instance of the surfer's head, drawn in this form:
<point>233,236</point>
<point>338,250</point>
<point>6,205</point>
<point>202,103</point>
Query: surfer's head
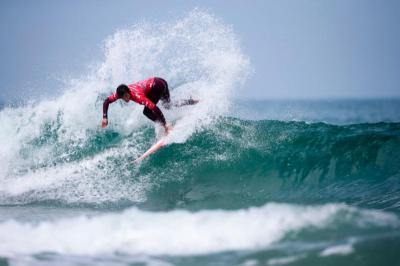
<point>123,92</point>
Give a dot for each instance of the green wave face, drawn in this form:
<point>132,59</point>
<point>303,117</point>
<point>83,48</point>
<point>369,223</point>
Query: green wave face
<point>241,163</point>
<point>230,164</point>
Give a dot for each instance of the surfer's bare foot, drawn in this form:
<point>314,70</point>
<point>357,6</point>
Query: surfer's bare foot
<point>192,102</point>
<point>167,128</point>
<point>186,102</point>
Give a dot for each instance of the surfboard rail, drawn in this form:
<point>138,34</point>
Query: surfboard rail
<point>156,146</point>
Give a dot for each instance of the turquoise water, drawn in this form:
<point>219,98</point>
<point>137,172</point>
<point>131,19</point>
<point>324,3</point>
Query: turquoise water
<point>239,183</point>
<point>239,192</point>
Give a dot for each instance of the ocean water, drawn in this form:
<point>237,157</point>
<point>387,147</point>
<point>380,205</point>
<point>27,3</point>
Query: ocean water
<point>242,182</point>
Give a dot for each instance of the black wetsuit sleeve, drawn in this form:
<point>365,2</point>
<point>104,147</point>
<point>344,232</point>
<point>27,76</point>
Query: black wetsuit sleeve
<point>107,102</point>
<point>105,107</point>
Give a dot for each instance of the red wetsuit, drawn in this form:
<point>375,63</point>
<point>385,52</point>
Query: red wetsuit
<point>146,92</point>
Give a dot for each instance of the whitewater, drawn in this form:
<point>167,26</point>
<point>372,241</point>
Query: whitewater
<point>239,183</point>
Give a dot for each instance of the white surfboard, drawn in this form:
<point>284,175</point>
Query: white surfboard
<point>158,145</point>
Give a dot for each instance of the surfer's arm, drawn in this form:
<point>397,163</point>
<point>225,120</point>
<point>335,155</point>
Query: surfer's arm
<point>106,103</point>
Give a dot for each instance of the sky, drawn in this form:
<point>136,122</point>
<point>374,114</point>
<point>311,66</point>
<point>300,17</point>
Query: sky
<point>299,49</point>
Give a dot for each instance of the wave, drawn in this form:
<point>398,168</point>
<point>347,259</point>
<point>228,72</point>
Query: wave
<point>244,163</point>
<point>232,163</point>
<point>182,232</point>
<point>338,112</point>
<point>54,150</point>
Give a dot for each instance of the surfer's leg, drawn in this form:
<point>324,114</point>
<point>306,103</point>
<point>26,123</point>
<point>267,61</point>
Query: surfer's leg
<point>160,91</point>
<point>157,90</point>
<point>150,114</point>
<point>165,97</point>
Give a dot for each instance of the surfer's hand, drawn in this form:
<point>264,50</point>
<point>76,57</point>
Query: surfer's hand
<point>104,123</point>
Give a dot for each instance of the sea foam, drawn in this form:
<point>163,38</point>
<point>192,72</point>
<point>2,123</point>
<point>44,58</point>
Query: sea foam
<point>179,232</point>
<point>53,149</point>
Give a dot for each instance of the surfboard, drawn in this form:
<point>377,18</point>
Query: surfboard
<point>158,145</point>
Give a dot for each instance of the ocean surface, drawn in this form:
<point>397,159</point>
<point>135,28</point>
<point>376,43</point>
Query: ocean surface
<point>241,182</point>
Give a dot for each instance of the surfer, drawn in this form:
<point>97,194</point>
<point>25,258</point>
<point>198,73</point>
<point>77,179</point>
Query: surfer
<point>146,92</point>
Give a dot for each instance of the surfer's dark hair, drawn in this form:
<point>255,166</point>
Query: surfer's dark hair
<point>121,90</point>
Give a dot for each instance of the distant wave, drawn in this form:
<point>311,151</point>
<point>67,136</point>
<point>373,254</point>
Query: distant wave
<point>338,112</point>
<point>181,232</point>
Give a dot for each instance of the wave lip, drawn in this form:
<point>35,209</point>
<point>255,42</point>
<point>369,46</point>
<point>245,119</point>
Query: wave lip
<point>182,232</point>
